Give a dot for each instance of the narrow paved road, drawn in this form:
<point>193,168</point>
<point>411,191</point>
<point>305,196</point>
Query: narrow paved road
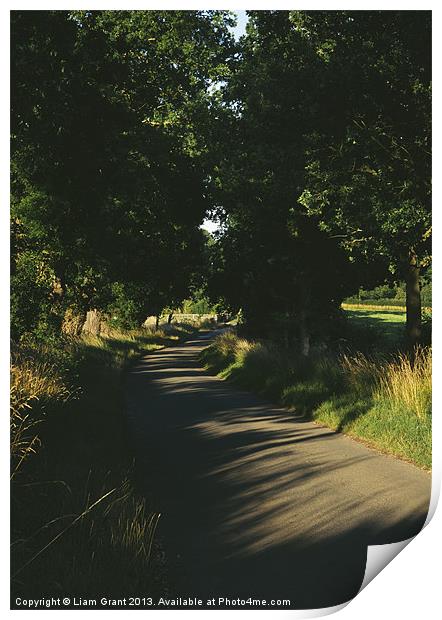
<point>256,503</point>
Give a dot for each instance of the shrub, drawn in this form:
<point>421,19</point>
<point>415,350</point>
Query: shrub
<point>32,285</point>
<point>126,307</point>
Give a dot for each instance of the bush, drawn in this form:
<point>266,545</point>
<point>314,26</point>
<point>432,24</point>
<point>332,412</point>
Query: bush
<point>32,284</point>
<point>126,308</point>
<point>426,328</point>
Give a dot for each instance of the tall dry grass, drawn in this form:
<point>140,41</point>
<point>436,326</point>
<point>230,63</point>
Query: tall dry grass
<point>361,374</point>
<point>403,381</point>
<point>406,382</point>
<point>228,343</point>
<point>34,383</point>
<point>230,347</point>
<point>102,539</point>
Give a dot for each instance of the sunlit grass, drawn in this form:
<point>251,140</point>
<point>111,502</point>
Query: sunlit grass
<point>380,308</point>
<point>385,401</point>
<point>406,383</point>
<point>33,383</point>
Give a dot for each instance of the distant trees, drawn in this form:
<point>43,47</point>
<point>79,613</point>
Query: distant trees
<point>324,177</point>
<point>108,181</point>
<point>385,295</point>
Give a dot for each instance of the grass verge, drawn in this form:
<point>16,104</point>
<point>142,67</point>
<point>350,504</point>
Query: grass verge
<point>385,402</point>
<point>79,525</point>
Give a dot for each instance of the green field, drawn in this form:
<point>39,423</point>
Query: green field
<point>381,328</point>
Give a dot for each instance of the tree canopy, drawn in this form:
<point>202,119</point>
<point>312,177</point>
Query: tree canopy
<point>326,176</point>
<point>108,179</point>
<point>308,139</point>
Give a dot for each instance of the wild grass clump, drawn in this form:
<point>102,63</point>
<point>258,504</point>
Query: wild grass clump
<point>406,383</point>
<point>221,354</point>
<point>254,365</point>
<point>33,381</point>
<point>360,373</point>
<point>384,400</point>
<point>92,539</point>
<point>100,538</point>
<point>34,384</point>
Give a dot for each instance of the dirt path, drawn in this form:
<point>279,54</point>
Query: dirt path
<point>253,502</point>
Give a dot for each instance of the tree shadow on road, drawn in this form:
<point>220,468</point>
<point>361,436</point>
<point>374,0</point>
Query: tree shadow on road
<point>255,502</point>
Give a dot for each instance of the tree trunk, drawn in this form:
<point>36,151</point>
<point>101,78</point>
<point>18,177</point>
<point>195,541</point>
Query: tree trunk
<point>93,323</point>
<point>413,302</point>
<point>169,318</point>
<point>304,335</point>
<point>303,318</point>
<point>157,321</point>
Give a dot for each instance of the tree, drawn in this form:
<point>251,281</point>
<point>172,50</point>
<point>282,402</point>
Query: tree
<point>273,259</point>
<point>368,165</point>
<point>107,148</point>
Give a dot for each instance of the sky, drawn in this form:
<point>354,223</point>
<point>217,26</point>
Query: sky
<point>240,28</point>
<point>210,226</point>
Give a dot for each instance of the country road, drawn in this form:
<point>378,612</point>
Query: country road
<point>253,502</point>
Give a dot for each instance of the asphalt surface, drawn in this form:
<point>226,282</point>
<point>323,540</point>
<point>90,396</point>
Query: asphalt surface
<point>255,503</point>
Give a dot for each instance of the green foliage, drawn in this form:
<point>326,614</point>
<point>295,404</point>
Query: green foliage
<point>426,288</point>
<point>309,141</point>
<point>110,111</point>
<point>427,326</point>
<point>325,143</point>
<point>368,165</point>
<point>124,311</point>
<point>273,259</point>
<point>385,295</point>
<point>198,304</point>
<point>31,293</point>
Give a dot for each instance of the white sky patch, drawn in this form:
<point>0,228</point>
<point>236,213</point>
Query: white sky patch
<point>210,226</point>
<point>241,21</point>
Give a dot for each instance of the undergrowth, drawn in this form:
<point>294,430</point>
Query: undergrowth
<point>79,525</point>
